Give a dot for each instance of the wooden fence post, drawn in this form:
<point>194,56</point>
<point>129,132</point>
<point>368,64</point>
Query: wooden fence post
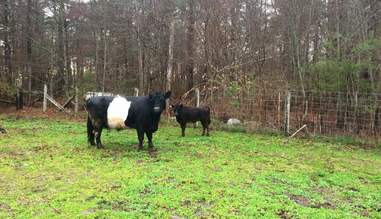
<point>136,90</point>
<point>19,99</point>
<point>76,101</point>
<point>197,102</point>
<point>287,113</point>
<point>197,97</point>
<point>19,94</point>
<point>44,104</point>
<point>279,105</point>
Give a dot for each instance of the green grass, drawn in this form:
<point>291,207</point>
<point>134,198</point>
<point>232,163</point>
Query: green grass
<point>48,170</point>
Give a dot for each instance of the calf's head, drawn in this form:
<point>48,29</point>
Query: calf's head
<point>176,108</point>
<point>158,99</point>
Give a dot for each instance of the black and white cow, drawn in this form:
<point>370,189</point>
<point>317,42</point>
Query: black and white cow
<point>141,113</point>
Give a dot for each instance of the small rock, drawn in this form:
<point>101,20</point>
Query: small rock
<point>233,121</point>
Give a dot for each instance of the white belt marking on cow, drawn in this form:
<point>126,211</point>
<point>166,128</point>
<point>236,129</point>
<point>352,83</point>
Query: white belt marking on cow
<point>117,112</point>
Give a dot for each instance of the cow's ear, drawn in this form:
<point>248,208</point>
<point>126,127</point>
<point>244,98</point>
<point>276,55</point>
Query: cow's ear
<point>167,94</point>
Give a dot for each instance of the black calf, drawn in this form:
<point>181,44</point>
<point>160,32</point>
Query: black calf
<point>186,114</point>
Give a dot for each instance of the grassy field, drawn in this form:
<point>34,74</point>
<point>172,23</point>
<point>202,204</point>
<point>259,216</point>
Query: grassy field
<point>47,170</point>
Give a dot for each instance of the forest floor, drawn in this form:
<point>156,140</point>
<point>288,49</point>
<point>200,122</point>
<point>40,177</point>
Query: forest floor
<point>48,170</point>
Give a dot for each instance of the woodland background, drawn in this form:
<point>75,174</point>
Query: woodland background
<point>247,52</point>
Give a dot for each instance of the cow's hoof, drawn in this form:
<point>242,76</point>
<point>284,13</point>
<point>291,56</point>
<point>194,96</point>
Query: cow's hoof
<point>100,146</point>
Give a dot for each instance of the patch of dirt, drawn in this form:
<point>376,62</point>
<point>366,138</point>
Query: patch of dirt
<point>327,205</point>
<point>42,147</point>
<point>365,213</point>
<point>90,198</point>
<point>117,205</point>
<point>284,214</point>
<point>186,203</point>
<point>301,200</point>
<point>140,162</point>
<point>152,152</point>
<point>145,191</point>
<point>6,208</point>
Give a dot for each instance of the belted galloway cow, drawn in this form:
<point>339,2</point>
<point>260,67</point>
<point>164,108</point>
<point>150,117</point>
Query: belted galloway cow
<point>141,113</point>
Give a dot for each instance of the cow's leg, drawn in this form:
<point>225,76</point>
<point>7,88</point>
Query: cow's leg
<point>98,133</point>
<point>140,132</point>
<point>183,126</point>
<point>90,132</point>
<point>149,136</point>
<point>205,126</point>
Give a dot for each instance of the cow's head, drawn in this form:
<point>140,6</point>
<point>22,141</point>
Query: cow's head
<point>158,100</point>
<point>176,108</point>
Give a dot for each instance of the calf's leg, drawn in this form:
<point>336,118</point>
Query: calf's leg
<point>203,129</point>
<point>205,126</point>
<point>183,126</point>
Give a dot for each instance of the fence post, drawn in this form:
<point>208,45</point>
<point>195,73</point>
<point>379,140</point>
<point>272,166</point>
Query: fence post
<point>197,103</point>
<point>44,104</point>
<point>197,97</point>
<point>136,90</point>
<point>19,94</point>
<point>279,105</point>
<point>76,101</point>
<point>287,113</point>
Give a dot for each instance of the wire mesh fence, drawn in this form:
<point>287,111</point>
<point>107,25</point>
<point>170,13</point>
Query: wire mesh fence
<point>327,113</point>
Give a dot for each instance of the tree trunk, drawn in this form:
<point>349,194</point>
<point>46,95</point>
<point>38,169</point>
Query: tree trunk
<point>97,58</point>
<point>170,54</point>
<point>80,67</point>
<point>189,46</point>
<point>104,60</point>
<point>7,46</point>
<point>141,65</point>
<point>60,81</point>
<point>69,76</point>
<point>29,47</point>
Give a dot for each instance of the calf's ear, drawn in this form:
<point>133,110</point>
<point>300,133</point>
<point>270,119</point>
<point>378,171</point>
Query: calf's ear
<point>150,95</point>
<point>167,94</point>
